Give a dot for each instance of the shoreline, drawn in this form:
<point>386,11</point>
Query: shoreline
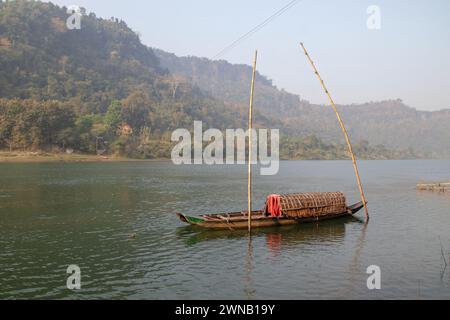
<point>45,157</point>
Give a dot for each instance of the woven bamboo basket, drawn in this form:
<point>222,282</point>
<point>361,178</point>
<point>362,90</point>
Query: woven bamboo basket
<point>311,205</point>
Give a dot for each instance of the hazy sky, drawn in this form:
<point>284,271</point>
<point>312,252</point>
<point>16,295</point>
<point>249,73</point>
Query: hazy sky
<point>407,58</point>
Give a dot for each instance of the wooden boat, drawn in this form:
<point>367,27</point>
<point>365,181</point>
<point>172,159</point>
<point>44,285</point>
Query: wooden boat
<point>285,209</point>
<point>294,209</point>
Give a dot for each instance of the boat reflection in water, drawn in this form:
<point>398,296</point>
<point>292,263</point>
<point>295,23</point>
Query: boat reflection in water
<point>276,237</point>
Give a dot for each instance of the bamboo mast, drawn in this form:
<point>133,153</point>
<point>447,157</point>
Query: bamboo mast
<point>344,130</point>
<point>250,127</point>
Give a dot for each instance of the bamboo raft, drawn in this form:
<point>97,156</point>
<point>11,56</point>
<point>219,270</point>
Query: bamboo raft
<point>436,187</point>
<point>294,209</point>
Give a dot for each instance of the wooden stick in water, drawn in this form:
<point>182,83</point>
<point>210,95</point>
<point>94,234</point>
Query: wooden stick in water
<point>250,127</point>
<point>344,130</point>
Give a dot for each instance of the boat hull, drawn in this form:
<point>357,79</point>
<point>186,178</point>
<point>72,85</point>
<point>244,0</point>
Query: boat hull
<point>259,220</point>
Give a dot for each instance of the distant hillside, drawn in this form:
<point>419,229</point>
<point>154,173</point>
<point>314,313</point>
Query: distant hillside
<point>229,82</point>
<point>390,123</point>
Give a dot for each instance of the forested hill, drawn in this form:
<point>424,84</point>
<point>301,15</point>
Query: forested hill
<point>61,87</point>
<point>100,88</point>
<point>390,123</point>
<point>231,82</point>
<point>42,59</point>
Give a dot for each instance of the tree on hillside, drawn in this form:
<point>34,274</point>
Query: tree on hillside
<point>114,117</point>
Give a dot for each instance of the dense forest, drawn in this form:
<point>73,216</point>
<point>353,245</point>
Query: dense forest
<point>100,88</point>
<point>64,88</point>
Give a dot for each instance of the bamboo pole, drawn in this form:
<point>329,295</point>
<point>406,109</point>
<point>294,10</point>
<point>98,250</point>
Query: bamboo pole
<point>250,127</point>
<point>344,130</point>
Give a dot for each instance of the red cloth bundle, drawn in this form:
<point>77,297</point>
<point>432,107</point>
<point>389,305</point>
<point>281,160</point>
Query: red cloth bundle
<point>274,205</point>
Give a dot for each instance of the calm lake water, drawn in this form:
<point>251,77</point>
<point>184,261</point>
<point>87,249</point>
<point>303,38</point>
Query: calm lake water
<point>117,222</point>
